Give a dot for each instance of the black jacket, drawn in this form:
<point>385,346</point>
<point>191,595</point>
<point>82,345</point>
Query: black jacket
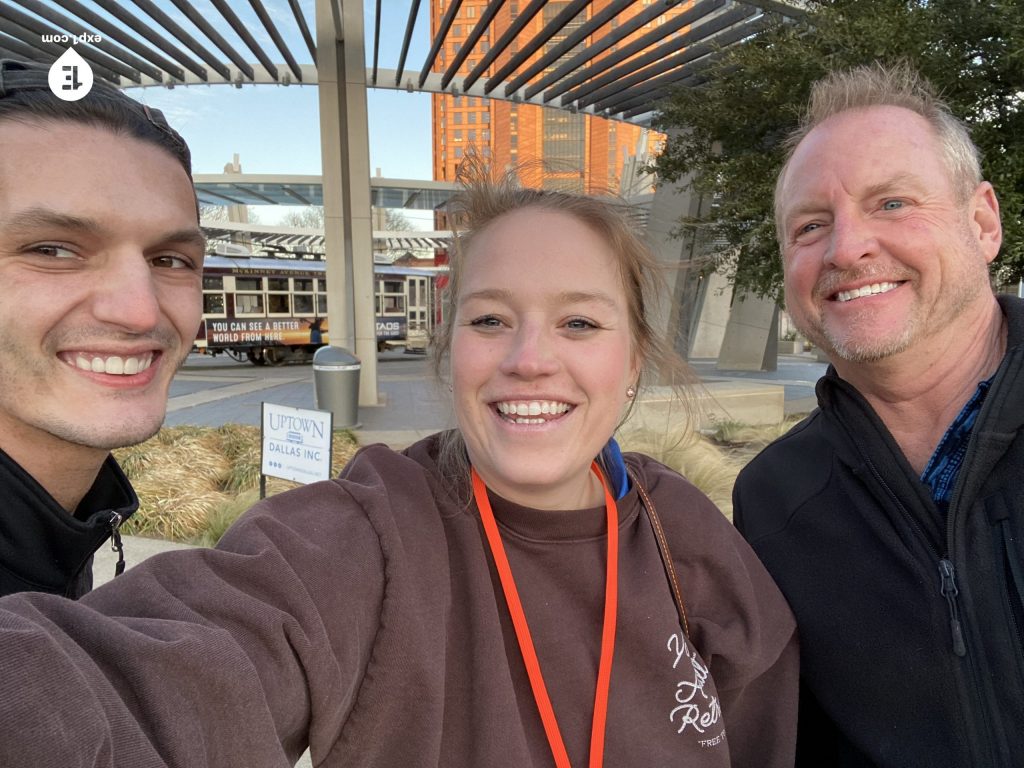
<point>42,547</point>
<point>911,625</point>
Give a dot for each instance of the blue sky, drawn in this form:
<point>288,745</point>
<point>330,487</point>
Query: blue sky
<point>275,129</point>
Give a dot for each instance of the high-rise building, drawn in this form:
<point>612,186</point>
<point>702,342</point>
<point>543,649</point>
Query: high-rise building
<point>560,150</point>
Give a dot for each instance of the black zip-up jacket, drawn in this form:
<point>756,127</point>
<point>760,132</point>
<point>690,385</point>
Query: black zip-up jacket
<point>911,626</point>
<point>42,547</point>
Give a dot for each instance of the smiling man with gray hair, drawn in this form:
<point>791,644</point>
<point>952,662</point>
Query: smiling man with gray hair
<point>893,517</point>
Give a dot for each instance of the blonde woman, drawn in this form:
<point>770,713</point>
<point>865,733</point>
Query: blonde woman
<point>514,592</point>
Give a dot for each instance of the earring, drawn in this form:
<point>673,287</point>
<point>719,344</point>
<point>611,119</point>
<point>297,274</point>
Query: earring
<point>630,392</point>
<point>450,388</point>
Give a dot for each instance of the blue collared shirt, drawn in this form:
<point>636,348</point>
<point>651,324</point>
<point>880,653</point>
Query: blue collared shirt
<point>944,466</point>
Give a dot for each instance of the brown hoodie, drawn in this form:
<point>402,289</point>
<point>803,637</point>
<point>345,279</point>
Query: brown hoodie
<point>363,616</point>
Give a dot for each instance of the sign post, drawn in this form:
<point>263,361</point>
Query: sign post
<point>296,444</point>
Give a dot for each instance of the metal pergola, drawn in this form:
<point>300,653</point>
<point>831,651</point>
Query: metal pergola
<point>274,189</point>
<point>596,69</point>
<point>287,242</point>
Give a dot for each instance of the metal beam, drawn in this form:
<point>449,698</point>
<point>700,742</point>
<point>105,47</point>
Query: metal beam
<point>569,74</point>
<point>30,27</point>
<point>169,24</point>
<point>414,10</point>
<point>693,53</point>
<point>300,21</point>
<point>497,48</point>
<point>297,196</point>
<point>653,61</point>
<point>658,87</point>
<point>789,10</point>
<point>580,74</point>
<point>231,200</point>
<point>126,18</point>
<point>567,14</point>
<point>437,43</point>
<point>254,193</point>
<point>268,25</point>
<point>11,48</point>
<point>467,46</point>
<point>52,51</point>
<point>655,89</point>
<point>376,41</point>
<point>71,25</point>
<point>560,50</point>
<point>229,16</point>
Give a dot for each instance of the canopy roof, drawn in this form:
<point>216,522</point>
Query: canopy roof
<point>269,41</point>
<point>288,189</point>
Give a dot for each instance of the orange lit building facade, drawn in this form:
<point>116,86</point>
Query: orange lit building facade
<point>577,152</point>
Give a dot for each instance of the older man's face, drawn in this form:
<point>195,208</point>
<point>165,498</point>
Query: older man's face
<point>100,267</point>
<point>879,255</point>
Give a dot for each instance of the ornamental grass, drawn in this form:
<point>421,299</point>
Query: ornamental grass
<point>193,482</point>
<point>710,459</point>
<point>707,465</point>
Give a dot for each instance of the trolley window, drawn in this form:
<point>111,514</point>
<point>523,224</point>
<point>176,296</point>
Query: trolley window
<point>249,303</point>
<point>249,284</point>
<point>278,300</point>
<point>213,296</point>
<point>278,304</point>
<point>213,304</point>
<point>302,299</point>
<point>391,297</point>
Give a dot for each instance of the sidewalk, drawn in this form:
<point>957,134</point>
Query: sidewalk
<point>215,391</point>
<point>796,374</point>
<point>212,392</point>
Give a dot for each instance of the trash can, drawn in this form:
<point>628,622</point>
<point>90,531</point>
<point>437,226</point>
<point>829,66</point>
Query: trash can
<point>336,382</point>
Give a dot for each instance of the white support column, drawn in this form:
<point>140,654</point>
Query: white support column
<point>345,156</point>
<point>680,257</point>
<point>714,299</point>
<point>752,335</point>
<point>704,317</point>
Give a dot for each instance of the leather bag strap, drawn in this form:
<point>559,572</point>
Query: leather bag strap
<point>666,554</point>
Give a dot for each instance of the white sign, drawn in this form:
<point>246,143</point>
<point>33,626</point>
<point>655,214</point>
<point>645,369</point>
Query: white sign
<point>296,443</point>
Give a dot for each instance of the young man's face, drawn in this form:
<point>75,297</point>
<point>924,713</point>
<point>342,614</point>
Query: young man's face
<point>100,286</point>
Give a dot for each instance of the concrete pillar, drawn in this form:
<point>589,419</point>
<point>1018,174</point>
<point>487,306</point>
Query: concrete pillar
<point>752,335</point>
<point>238,212</point>
<point>712,312</point>
<point>681,259</point>
<point>704,317</point>
<point>345,155</point>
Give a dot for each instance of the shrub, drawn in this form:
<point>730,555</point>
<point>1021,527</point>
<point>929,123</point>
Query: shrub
<point>193,482</point>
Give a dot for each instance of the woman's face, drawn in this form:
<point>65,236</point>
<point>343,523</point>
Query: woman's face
<point>541,357</point>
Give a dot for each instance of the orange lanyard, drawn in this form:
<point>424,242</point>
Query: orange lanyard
<point>515,608</point>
